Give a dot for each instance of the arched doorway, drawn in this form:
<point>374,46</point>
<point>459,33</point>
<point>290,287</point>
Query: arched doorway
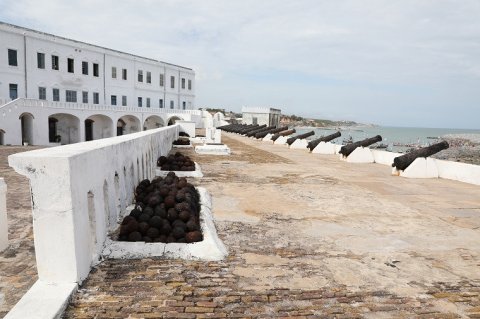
<point>2,137</point>
<point>98,126</point>
<point>173,119</point>
<point>26,122</point>
<point>153,122</point>
<point>128,124</point>
<point>63,128</point>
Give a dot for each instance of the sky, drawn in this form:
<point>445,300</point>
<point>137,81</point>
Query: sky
<point>413,63</point>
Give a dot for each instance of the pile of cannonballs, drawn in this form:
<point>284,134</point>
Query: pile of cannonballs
<point>177,162</point>
<point>167,210</point>
<point>181,141</point>
<point>184,134</point>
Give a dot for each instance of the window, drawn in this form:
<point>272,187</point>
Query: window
<point>124,74</point>
<point>84,67</point>
<point>183,83</point>
<point>161,79</point>
<point>71,96</point>
<point>139,102</point>
<point>56,94</point>
<point>41,60</point>
<point>184,105</point>
<point>140,76</point>
<point>114,72</point>
<point>70,67</point>
<point>148,102</point>
<point>124,100</point>
<point>160,103</point>
<point>85,97</point>
<point>149,77</point>
<point>172,104</point>
<point>189,84</point>
<point>172,82</point>
<point>42,93</point>
<point>95,98</point>
<point>113,100</point>
<point>13,89</point>
<point>95,69</point>
<point>12,57</point>
<point>54,62</point>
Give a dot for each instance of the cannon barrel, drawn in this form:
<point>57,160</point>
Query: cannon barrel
<point>272,131</point>
<point>245,127</point>
<point>348,149</point>
<point>245,131</point>
<point>312,144</point>
<point>402,162</point>
<point>252,133</point>
<point>283,133</point>
<point>300,136</point>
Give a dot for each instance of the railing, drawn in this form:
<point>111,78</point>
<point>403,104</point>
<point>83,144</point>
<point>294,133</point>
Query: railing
<point>94,107</point>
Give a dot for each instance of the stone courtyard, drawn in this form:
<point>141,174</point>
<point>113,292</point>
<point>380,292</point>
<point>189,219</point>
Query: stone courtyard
<point>308,237</point>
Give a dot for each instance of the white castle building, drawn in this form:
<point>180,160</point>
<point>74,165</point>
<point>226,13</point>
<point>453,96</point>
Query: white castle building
<point>56,90</point>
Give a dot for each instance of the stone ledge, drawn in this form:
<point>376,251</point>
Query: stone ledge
<point>43,301</point>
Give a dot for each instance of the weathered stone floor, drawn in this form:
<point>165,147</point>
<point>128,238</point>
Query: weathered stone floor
<point>309,237</point>
<point>18,270</point>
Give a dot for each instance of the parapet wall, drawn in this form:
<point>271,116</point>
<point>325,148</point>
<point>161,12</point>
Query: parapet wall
<point>78,192</point>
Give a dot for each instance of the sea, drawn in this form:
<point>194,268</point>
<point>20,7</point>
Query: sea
<point>396,139</point>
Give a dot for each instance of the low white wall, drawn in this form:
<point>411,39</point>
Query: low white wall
<point>384,157</point>
<point>187,127</point>
<point>78,193</point>
<point>3,216</point>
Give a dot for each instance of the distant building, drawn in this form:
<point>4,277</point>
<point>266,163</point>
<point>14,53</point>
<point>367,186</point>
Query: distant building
<point>261,115</point>
<point>54,89</point>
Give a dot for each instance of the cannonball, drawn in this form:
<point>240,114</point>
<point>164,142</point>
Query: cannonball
<point>166,229</point>
<point>184,215</point>
<point>153,232</point>
<point>132,226</point>
<point>164,191</point>
<point>169,201</point>
<point>160,239</point>
<point>140,206</point>
<point>179,223</point>
<point>180,197</point>
<point>172,214</point>
<point>181,240</point>
<point>143,227</point>
<point>193,236</point>
<point>123,238</point>
<point>145,183</point>
<point>171,174</point>
<point>160,211</point>
<point>124,230</point>
<point>154,200</point>
<point>192,225</point>
<point>148,210</point>
<point>155,221</point>
<point>170,239</point>
<point>144,217</point>
<point>135,236</point>
<point>127,219</point>
<point>135,213</point>
<point>178,232</point>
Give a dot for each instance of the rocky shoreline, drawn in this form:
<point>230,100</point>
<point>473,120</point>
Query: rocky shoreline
<point>464,148</point>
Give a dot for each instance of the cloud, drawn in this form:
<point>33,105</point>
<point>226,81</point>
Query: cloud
<point>364,60</point>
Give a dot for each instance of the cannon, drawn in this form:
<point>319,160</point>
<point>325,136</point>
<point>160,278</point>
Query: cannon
<point>247,130</point>
<point>252,133</point>
<point>312,144</point>
<point>300,136</point>
<point>283,133</point>
<point>402,162</point>
<point>272,131</point>
<point>348,149</point>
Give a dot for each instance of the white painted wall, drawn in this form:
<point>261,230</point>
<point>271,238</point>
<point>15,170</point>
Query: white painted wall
<point>3,216</point>
<point>79,190</point>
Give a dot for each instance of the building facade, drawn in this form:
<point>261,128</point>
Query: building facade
<point>261,116</point>
<point>60,73</point>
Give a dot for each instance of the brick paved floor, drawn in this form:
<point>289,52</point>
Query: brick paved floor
<point>309,237</point>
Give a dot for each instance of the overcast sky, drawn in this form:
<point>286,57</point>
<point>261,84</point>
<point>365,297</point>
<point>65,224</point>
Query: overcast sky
<point>390,62</point>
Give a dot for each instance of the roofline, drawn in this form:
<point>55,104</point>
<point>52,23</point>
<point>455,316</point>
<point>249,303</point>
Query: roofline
<point>89,44</point>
